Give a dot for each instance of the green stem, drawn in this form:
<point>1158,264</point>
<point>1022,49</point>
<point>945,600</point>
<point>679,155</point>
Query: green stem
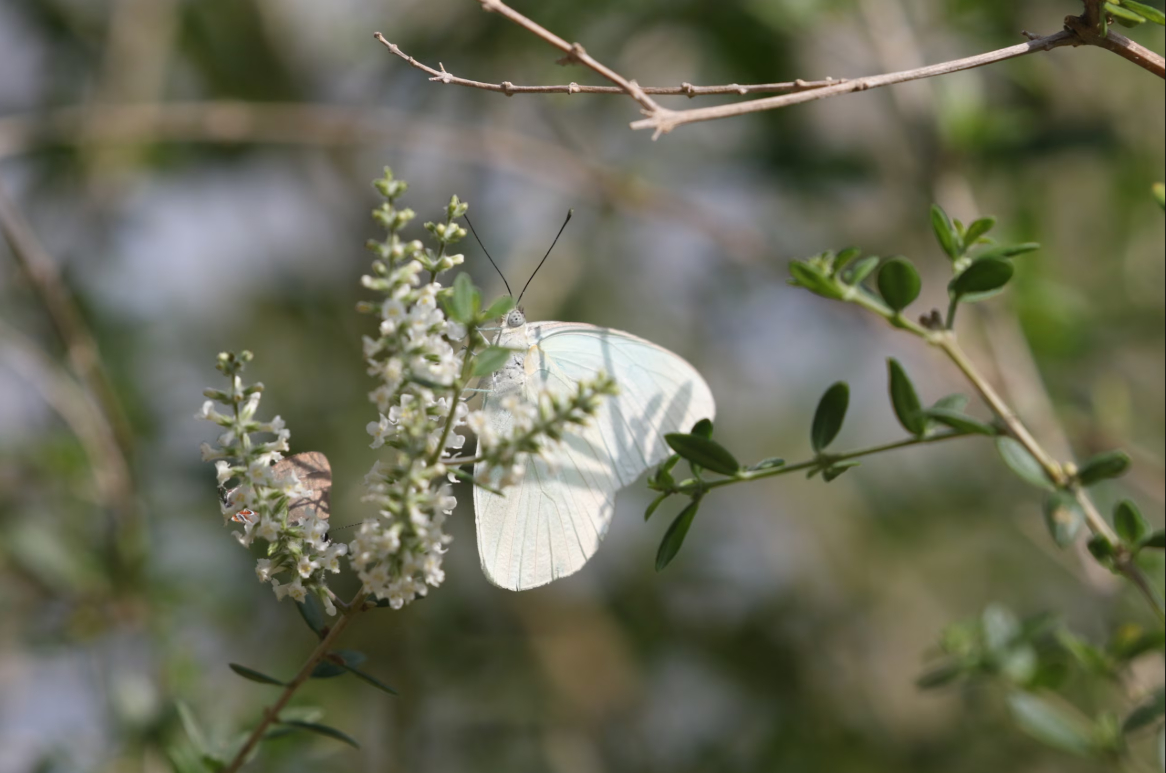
<point>823,460</point>
<point>946,342</point>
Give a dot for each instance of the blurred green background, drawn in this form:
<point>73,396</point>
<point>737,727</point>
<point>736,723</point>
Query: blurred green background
<point>200,173</point>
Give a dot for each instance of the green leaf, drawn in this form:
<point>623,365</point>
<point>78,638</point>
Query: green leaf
<point>704,428</point>
<point>315,727</point>
<point>945,232</point>
<point>1063,517</point>
<point>1008,250</point>
<point>1110,464</point>
<point>1145,714</point>
<point>844,257</point>
<point>461,303</point>
<point>491,359</point>
<point>1129,523</point>
<point>768,463</point>
<point>498,308</point>
<point>337,663</point>
<point>655,503</point>
<point>1122,14</point>
<point>1159,192</point>
<point>899,283</point>
<point>904,399</point>
<point>829,415</point>
<point>835,470</point>
<point>1021,462</point>
<point>254,676</point>
<point>861,270</point>
<point>1155,540</point>
<point>1149,12</point>
<point>313,614</point>
<point>977,229</point>
<point>960,422</point>
<point>1101,549</point>
<point>982,276</point>
<point>701,450</point>
<point>674,537</point>
<point>370,679</point>
<point>953,402</point>
<point>1051,723</point>
<point>1093,659</point>
<point>804,275</point>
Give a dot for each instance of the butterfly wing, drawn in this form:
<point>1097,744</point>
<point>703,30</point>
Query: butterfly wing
<point>549,525</point>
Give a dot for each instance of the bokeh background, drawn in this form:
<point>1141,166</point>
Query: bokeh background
<point>199,172</point>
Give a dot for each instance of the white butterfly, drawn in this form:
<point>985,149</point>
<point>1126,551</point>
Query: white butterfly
<point>551,523</point>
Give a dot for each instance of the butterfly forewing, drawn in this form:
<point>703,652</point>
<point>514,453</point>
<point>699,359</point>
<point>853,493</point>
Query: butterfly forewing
<point>551,524</point>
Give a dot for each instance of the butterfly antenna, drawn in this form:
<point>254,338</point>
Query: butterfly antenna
<point>492,263</point>
<point>544,260</point>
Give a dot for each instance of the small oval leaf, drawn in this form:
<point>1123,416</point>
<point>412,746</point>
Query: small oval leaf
<point>704,428</point>
<point>674,537</point>
<point>313,614</point>
<point>655,504</point>
<point>1021,462</point>
<point>254,676</point>
<point>1156,541</point>
<point>982,276</point>
<point>899,283</point>
<point>977,229</point>
<point>461,303</point>
<point>945,232</point>
<point>960,422</point>
<point>1129,523</point>
<point>370,679</point>
<point>1051,723</point>
<point>709,454</point>
<point>1111,464</point>
<point>858,273</point>
<point>315,727</point>
<point>904,399</point>
<point>829,415</point>
<point>1063,517</point>
<point>498,308</point>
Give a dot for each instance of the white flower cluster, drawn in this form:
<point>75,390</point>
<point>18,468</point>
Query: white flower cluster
<point>260,498</point>
<point>424,362</point>
<point>416,357</point>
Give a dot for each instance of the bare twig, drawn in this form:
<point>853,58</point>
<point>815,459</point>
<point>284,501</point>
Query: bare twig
<point>664,121</point>
<point>1082,30</point>
<point>574,54</point>
<point>683,90</point>
<point>41,272</point>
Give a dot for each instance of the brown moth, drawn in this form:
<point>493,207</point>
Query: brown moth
<point>314,472</point>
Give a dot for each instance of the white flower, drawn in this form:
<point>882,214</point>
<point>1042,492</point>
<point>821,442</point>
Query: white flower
<point>264,568</point>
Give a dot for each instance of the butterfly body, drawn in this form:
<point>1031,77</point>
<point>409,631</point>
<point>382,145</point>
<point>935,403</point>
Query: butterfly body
<point>551,523</point>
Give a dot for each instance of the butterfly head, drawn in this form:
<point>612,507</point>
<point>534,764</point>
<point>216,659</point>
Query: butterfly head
<point>515,318</point>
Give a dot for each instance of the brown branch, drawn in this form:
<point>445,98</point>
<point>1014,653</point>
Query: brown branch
<point>683,90</point>
<point>663,121</point>
<point>271,713</point>
<point>41,272</point>
<point>574,53</point>
<point>1083,30</point>
<point>1118,44</point>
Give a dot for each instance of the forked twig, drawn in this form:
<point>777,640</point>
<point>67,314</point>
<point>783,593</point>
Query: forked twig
<point>1078,31</point>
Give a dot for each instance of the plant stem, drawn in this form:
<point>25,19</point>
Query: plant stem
<point>271,714</point>
<point>463,379</point>
<point>946,341</point>
<point>819,461</point>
